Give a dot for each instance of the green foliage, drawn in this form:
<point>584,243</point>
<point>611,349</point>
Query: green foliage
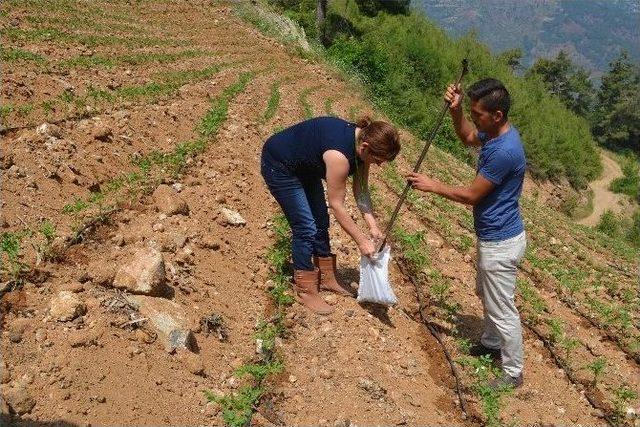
<point>567,81</point>
<point>78,205</point>
<point>405,62</point>
<point>512,58</point>
<point>216,115</point>
<point>238,408</point>
<point>328,107</point>
<point>15,54</point>
<point>535,306</point>
<point>617,123</point>
<point>259,371</point>
<point>10,263</point>
<point>623,396</point>
<point>304,102</point>
<point>483,371</point>
<point>373,7</point>
<point>272,104</point>
<point>628,184</point>
<point>597,368</point>
<point>412,246</point>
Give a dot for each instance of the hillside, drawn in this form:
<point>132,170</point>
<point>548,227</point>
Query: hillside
<point>592,32</point>
<point>131,142</point>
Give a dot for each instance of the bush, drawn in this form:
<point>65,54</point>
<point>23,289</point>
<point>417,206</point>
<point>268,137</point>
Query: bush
<point>609,224</point>
<point>628,184</point>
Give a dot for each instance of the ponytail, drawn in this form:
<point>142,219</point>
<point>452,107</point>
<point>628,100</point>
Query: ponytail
<point>363,122</point>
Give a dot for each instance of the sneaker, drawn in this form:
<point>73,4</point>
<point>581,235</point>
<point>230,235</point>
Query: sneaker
<point>478,350</point>
<point>506,382</point>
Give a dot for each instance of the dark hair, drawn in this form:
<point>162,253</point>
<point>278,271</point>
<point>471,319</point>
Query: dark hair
<point>382,137</point>
<point>492,94</point>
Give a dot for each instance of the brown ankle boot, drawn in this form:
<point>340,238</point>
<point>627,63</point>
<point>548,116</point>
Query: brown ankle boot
<point>305,283</point>
<point>328,281</point>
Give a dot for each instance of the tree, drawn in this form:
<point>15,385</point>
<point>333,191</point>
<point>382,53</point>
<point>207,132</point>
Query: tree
<point>321,15</point>
<point>617,123</point>
<point>394,7</point>
<point>512,57</point>
<point>567,81</point>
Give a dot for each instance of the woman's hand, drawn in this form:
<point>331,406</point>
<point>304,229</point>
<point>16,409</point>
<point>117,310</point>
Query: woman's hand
<point>420,182</point>
<point>367,247</point>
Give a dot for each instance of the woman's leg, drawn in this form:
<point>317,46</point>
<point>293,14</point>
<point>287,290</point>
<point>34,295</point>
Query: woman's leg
<point>314,192</point>
<point>289,193</point>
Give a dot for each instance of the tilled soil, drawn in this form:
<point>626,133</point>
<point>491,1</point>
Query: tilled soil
<point>361,365</point>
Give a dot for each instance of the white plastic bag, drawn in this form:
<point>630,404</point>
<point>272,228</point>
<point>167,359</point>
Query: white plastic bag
<point>374,279</point>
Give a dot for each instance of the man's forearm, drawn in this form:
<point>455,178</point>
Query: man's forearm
<point>457,194</point>
<point>464,129</point>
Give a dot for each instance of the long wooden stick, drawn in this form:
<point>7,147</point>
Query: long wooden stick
<point>434,131</point>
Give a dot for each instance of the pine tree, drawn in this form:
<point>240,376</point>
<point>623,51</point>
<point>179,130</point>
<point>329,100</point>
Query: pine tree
<point>617,122</point>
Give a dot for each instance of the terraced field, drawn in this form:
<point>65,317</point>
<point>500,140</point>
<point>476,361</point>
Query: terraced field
<point>115,113</point>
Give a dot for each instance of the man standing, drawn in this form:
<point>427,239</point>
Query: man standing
<point>494,195</point>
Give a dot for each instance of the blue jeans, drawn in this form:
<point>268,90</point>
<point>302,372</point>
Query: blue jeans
<point>302,201</point>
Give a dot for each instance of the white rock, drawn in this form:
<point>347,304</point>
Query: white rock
<point>232,217</point>
<point>144,275</point>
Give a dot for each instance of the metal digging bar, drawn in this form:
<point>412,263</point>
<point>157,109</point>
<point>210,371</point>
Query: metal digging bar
<point>432,135</point>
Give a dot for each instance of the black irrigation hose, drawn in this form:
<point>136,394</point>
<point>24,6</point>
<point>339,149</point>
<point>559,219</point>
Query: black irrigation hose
<point>424,320</point>
<point>560,363</point>
<point>589,318</point>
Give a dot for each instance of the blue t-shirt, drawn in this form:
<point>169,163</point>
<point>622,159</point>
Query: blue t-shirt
<point>502,161</point>
<point>300,147</point>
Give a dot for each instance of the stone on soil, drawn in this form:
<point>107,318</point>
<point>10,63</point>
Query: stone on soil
<point>168,320</point>
<point>232,217</point>
<point>66,306</point>
<point>18,398</point>
<point>169,202</point>
<point>144,275</point>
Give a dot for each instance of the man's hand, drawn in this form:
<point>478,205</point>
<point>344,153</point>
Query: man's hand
<point>376,233</point>
<point>421,182</point>
<point>453,96</point>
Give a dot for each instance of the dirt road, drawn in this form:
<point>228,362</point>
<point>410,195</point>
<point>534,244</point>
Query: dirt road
<point>603,198</point>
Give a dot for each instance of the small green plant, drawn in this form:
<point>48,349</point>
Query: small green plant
<point>328,107</point>
<point>15,54</point>
<point>10,255</point>
<point>597,368</point>
<point>78,205</point>
<point>48,231</point>
<point>307,109</point>
<point>259,371</point>
<point>412,246</point>
<point>238,408</point>
<point>623,396</point>
<point>272,104</point>
<point>483,371</point>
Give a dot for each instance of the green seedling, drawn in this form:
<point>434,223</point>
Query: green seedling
<point>272,104</point>
<point>304,102</point>
<point>328,107</point>
<point>10,262</point>
<point>259,371</point>
<point>597,368</point>
<point>624,395</point>
<point>238,408</point>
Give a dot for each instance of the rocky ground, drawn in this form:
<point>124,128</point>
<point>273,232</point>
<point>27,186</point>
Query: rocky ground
<point>135,227</point>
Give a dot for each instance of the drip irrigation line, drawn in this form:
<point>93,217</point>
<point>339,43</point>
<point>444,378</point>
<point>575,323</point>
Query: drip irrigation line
<point>427,324</point>
<point>561,363</point>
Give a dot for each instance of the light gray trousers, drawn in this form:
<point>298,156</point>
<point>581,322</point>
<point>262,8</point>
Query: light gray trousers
<point>497,267</point>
